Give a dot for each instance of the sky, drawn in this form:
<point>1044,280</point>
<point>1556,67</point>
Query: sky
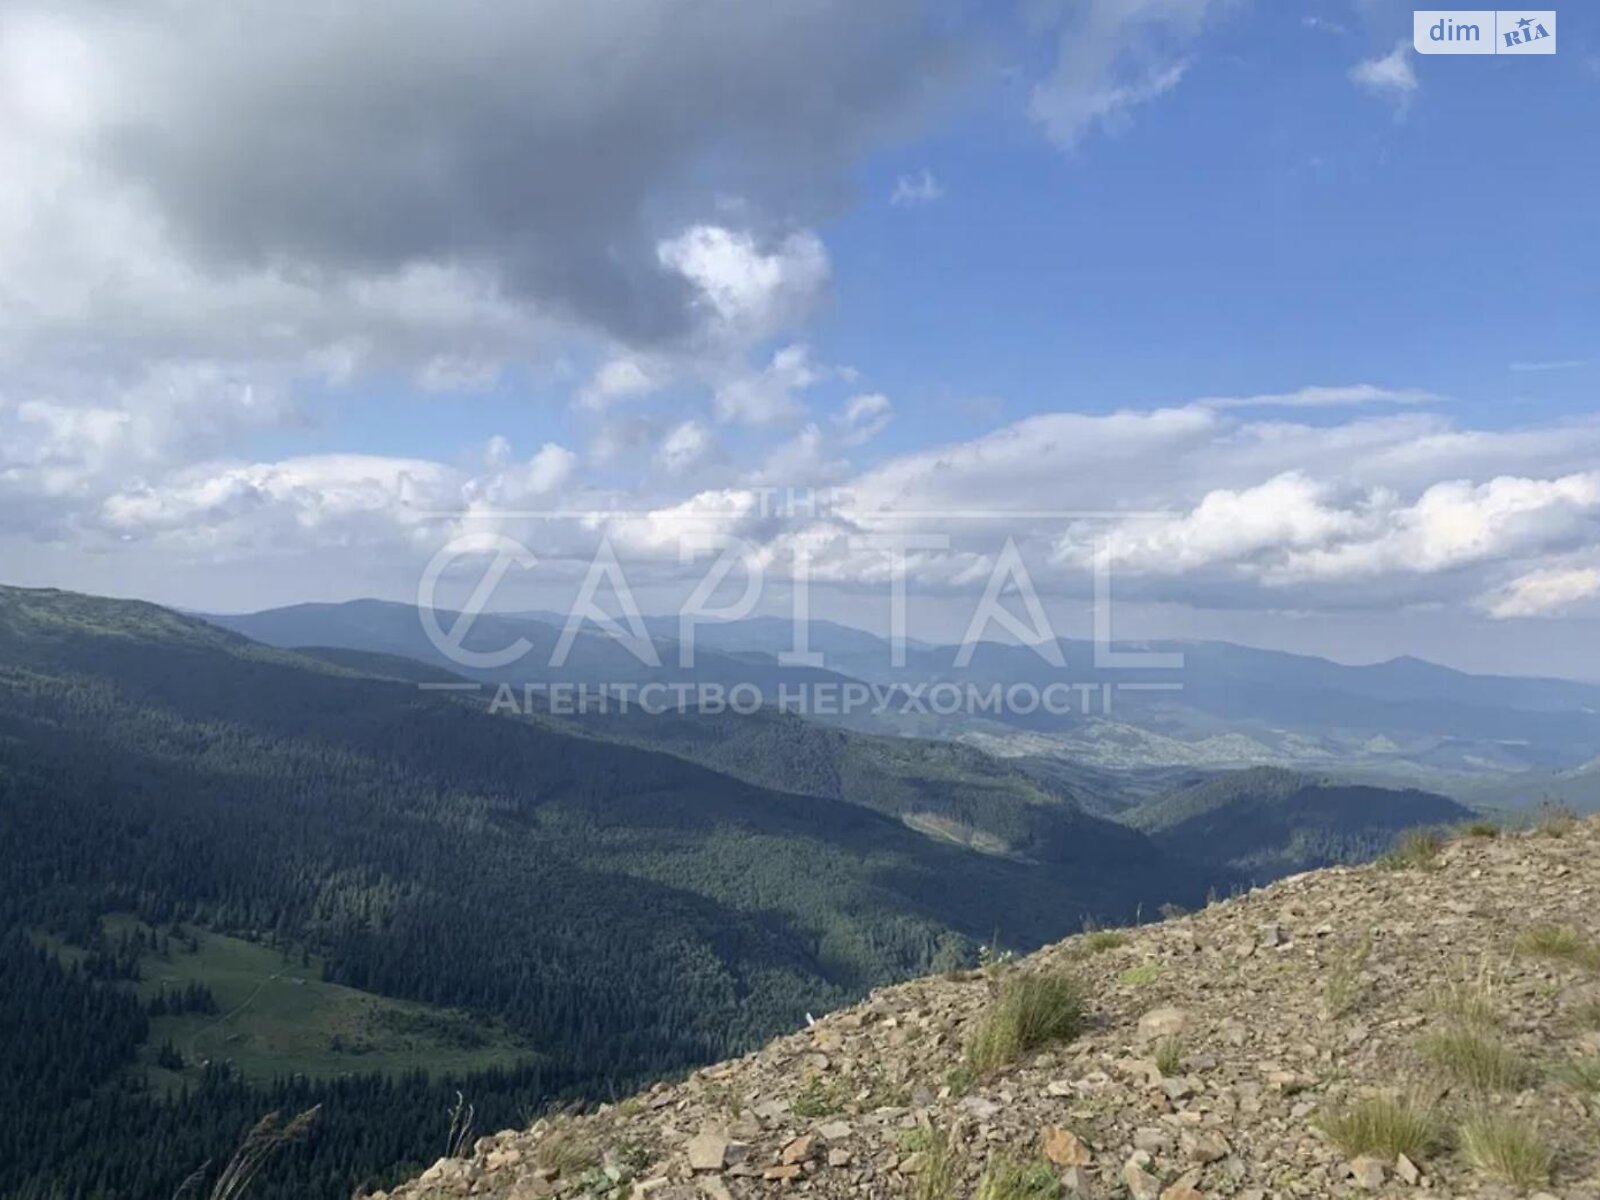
<point>1290,327</point>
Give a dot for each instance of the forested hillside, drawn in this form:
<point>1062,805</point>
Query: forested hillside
<point>621,911</point>
<point>1269,822</point>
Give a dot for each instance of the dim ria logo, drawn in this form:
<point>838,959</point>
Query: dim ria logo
<point>1484,31</point>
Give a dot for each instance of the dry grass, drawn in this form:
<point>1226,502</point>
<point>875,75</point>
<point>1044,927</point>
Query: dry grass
<point>1479,829</point>
<point>566,1153</point>
<point>1386,1126</point>
<point>1505,1147</point>
<point>1472,1001</point>
<point>1031,1010</point>
<point>266,1137</point>
<point>1562,943</point>
<point>936,1180</point>
<point>1101,940</point>
<point>1346,982</point>
<point>1007,1179</point>
<point>1415,849</point>
<point>1477,1059</point>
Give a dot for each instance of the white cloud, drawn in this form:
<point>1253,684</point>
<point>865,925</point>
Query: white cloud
<point>1324,397</point>
<point>1390,76</point>
<point>684,447</point>
<point>773,394</point>
<point>863,418</point>
<point>614,380</point>
<point>1114,56</point>
<point>1544,593</point>
<point>748,291</point>
<point>920,188</point>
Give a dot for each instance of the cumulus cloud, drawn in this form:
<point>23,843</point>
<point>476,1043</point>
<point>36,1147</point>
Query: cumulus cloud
<point>614,380</point>
<point>438,190</point>
<point>1544,593</point>
<point>773,394</point>
<point>745,290</point>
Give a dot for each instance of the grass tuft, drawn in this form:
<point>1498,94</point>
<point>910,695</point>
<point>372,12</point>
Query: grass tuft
<point>1031,1010</point>
<point>1346,983</point>
<point>1479,829</point>
<point>1476,1059</point>
<point>1387,1126</point>
<point>1169,1055</point>
<point>1102,940</point>
<point>1007,1179</point>
<point>1471,1001</point>
<point>567,1154</point>
<point>1506,1147</point>
<point>936,1179</point>
<point>1581,1075</point>
<point>1562,943</point>
<point>1415,849</point>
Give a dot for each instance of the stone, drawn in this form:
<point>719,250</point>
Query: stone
<point>1204,1146</point>
<point>786,1172</point>
<point>1368,1173</point>
<point>839,1158</point>
<point>1407,1171</point>
<point>1063,1147</point>
<point>708,1151</point>
<point>835,1131</point>
<point>798,1150</point>
<point>1140,1183</point>
<point>1163,1022</point>
<point>714,1189</point>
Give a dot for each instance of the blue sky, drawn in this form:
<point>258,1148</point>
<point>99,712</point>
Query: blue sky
<point>1329,303</point>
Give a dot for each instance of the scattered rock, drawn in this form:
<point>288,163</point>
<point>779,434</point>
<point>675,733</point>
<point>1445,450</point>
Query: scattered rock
<point>1064,1148</point>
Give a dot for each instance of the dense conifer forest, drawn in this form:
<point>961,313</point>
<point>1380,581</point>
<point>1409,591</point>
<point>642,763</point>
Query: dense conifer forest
<point>622,912</point>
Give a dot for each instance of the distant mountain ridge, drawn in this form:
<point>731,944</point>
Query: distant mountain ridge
<point>1230,706</point>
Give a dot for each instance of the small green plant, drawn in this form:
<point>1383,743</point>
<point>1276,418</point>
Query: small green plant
<point>1140,976</point>
<point>1169,1055</point>
<point>1006,1178</point>
<point>1477,1059</point>
<point>1480,829</point>
<point>1101,940</point>
<point>992,957</point>
<point>1581,1075</point>
<point>1562,943</point>
<point>1415,849</point>
<point>1346,982</point>
<point>1030,1011</point>
<point>1506,1147</point>
<point>936,1177</point>
<point>819,1098</point>
<point>1386,1126</point>
<point>915,1139</point>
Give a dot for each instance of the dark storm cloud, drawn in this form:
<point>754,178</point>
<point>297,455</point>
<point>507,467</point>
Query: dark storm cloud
<point>553,141</point>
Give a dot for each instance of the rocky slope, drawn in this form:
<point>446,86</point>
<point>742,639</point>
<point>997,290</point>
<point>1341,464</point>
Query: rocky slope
<point>1218,1052</point>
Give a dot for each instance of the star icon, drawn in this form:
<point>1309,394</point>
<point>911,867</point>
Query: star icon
<point>1525,22</point>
